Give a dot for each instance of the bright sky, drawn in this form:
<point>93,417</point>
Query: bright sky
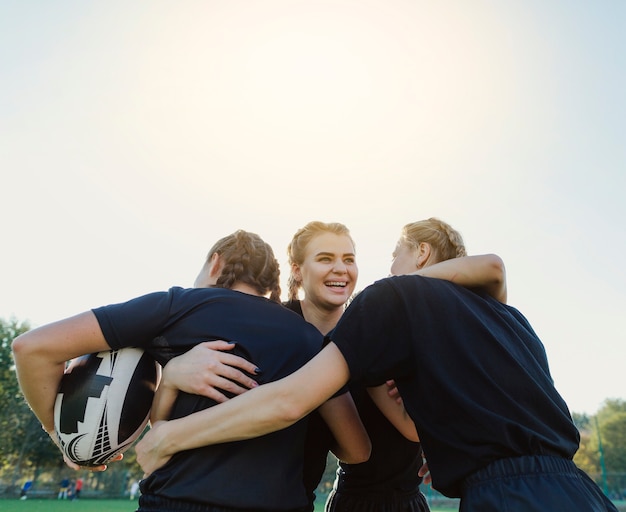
<point>135,134</point>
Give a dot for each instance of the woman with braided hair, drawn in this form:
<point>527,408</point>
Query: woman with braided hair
<point>474,380</point>
<point>236,299</point>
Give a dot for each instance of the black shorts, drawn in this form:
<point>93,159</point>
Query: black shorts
<point>153,503</point>
<point>532,484</point>
<point>376,502</point>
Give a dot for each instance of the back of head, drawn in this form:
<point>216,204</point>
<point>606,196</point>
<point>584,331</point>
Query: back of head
<point>296,250</point>
<point>248,259</point>
<point>444,240</point>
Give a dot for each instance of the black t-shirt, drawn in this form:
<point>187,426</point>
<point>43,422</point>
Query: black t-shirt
<point>262,473</point>
<point>472,373</point>
<point>319,439</point>
<point>394,461</point>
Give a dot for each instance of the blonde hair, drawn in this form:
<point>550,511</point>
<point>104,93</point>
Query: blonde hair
<point>446,242</point>
<point>296,250</point>
<point>248,259</point>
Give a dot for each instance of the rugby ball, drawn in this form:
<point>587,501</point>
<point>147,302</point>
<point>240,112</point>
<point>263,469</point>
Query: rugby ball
<point>103,404</point>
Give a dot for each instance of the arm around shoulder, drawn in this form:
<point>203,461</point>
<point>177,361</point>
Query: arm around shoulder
<point>262,410</point>
<point>485,272</point>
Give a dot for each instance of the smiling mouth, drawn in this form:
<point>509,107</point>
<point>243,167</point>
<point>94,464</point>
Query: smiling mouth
<point>336,284</point>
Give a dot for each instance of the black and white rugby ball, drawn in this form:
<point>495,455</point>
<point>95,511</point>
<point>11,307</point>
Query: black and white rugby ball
<point>103,404</point>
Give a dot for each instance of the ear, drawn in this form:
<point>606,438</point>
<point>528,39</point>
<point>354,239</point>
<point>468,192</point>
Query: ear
<point>215,265</point>
<point>296,273</point>
<point>424,251</point>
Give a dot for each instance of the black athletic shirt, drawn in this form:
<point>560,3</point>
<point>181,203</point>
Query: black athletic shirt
<point>263,473</point>
<point>319,439</point>
<point>472,373</point>
<point>394,462</point>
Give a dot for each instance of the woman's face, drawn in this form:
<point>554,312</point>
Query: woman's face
<point>404,260</point>
<point>329,271</point>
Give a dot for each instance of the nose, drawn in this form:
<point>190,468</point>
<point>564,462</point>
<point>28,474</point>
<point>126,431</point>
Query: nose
<point>340,267</point>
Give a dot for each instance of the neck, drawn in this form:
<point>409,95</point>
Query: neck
<point>246,288</point>
<point>324,319</point>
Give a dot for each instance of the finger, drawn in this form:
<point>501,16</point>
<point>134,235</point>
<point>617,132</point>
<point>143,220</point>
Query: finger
<point>218,345</point>
<point>218,385</point>
<point>213,394</point>
<point>239,362</point>
<point>236,377</point>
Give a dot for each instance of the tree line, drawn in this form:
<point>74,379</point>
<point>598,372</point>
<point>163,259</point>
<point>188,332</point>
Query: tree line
<point>27,453</point>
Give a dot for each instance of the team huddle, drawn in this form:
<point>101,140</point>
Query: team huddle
<point>429,364</point>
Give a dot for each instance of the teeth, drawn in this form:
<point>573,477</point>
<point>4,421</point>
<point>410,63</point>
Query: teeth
<point>342,284</point>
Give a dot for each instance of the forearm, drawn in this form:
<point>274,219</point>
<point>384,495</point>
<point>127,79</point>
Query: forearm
<point>262,410</point>
<point>163,402</point>
<point>394,412</point>
<point>485,271</point>
<point>39,381</point>
<point>253,414</point>
<point>352,443</point>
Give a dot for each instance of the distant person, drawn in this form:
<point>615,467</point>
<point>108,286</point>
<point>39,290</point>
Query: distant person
<point>474,380</point>
<point>64,487</point>
<point>134,489</point>
<point>25,488</point>
<point>236,298</point>
<point>78,487</point>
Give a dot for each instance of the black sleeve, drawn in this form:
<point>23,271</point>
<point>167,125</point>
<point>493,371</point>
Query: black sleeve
<point>136,322</point>
<point>373,335</point>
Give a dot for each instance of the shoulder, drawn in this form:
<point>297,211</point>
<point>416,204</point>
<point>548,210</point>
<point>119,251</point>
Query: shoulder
<point>294,305</point>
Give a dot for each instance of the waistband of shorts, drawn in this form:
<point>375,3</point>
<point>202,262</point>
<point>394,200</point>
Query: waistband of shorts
<point>380,495</point>
<point>156,503</point>
<point>526,465</point>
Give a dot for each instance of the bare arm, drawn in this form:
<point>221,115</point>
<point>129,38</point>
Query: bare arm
<point>262,410</point>
<point>41,355</point>
<point>352,443</point>
<point>485,272</point>
<point>394,411</point>
<point>207,369</point>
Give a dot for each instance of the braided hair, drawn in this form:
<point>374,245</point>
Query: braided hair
<point>444,240</point>
<point>296,250</point>
<point>248,259</point>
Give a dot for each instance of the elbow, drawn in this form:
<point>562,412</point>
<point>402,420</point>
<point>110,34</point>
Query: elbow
<point>412,435</point>
<point>498,272</point>
<point>361,455</point>
<point>496,266</point>
<point>356,454</point>
<point>19,347</point>
<point>290,409</point>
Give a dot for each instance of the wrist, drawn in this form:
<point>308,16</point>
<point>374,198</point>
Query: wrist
<point>168,442</point>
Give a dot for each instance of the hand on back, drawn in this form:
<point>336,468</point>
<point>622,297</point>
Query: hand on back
<point>208,369</point>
